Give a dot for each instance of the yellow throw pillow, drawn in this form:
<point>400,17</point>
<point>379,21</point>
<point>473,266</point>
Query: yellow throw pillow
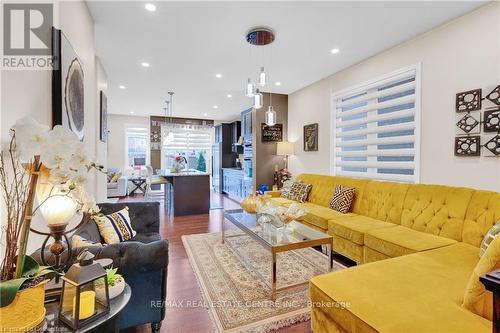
<point>477,299</point>
<point>116,227</point>
<point>115,177</point>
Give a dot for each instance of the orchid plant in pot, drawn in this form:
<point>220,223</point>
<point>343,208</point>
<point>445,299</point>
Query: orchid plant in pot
<point>179,164</point>
<point>40,168</point>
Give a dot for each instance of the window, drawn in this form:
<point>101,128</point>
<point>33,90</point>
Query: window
<point>194,142</point>
<point>137,146</point>
<point>376,128</point>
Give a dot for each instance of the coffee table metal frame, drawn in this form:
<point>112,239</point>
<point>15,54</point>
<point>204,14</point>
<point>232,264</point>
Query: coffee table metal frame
<point>275,249</point>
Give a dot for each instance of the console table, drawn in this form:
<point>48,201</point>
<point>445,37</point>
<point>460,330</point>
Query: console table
<point>107,323</point>
<point>491,282</point>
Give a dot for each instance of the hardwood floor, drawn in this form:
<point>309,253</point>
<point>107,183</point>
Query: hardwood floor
<point>182,286</point>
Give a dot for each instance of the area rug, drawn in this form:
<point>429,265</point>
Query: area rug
<point>237,299</point>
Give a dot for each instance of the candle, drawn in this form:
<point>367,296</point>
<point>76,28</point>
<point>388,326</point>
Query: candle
<point>87,304</point>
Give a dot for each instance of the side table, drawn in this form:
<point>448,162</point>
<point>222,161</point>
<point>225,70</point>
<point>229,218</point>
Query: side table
<point>491,282</point>
<point>138,183</point>
<point>108,323</point>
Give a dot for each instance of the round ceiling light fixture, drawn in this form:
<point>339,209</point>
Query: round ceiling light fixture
<point>260,36</point>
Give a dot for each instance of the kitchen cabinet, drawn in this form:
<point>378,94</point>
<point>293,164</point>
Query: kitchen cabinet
<point>236,131</point>
<point>222,155</point>
<point>233,183</point>
<point>246,125</point>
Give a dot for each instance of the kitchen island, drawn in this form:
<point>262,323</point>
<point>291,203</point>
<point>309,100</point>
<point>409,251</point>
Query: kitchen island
<point>190,190</point>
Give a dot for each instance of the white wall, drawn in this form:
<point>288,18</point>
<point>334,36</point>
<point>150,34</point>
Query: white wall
<point>461,55</point>
<point>117,124</point>
<point>28,93</point>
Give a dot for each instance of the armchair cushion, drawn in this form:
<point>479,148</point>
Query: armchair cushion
<point>115,227</point>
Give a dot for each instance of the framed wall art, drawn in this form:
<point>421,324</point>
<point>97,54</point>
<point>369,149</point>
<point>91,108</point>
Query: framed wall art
<point>67,86</point>
<point>311,137</point>
<point>468,100</point>
<point>103,112</point>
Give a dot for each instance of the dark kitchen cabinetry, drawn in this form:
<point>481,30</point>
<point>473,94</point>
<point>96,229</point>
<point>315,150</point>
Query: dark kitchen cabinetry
<point>236,131</point>
<point>222,155</point>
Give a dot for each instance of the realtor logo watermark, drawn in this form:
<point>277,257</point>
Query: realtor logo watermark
<point>27,36</point>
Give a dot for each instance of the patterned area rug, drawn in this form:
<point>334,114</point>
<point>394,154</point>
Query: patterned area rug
<point>237,299</point>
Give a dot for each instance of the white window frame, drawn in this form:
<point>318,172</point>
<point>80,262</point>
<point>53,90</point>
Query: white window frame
<point>362,87</point>
<point>131,128</point>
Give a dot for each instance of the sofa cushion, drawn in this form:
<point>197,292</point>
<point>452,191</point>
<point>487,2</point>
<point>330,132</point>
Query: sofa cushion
<point>298,191</point>
<point>477,299</point>
<point>417,293</point>
<point>115,227</point>
<point>281,201</point>
<point>482,213</point>
<point>319,216</point>
<point>398,241</point>
<point>384,201</point>
<point>435,209</point>
<point>323,186</point>
<point>354,228</point>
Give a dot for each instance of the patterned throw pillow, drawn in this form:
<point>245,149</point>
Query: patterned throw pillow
<point>342,198</point>
<point>116,227</point>
<point>287,185</point>
<point>78,241</point>
<point>488,238</point>
<point>298,191</point>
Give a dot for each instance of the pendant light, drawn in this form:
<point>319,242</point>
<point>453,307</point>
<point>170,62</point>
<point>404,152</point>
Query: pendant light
<point>262,77</point>
<point>258,99</point>
<point>169,138</point>
<point>250,88</point>
<point>270,113</point>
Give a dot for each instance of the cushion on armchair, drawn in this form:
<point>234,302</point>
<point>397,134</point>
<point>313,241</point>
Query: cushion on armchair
<point>115,227</point>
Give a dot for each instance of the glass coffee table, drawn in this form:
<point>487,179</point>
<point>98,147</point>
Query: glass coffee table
<point>273,237</point>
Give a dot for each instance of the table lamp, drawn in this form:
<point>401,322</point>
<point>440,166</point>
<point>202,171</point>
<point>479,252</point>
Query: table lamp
<point>285,149</point>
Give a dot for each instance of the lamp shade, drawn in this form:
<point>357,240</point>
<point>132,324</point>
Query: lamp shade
<point>284,148</point>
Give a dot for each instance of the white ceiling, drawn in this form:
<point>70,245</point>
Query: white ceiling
<point>187,43</point>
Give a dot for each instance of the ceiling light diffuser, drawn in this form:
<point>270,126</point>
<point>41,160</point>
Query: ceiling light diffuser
<point>334,51</point>
<point>145,64</point>
<point>122,87</point>
<point>205,114</point>
<point>218,75</point>
<point>215,107</point>
<point>229,96</point>
<point>150,7</point>
<point>277,83</point>
<point>132,112</point>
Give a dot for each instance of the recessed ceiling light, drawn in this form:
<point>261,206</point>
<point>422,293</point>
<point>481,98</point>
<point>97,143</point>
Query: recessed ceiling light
<point>132,112</point>
<point>205,114</point>
<point>122,87</point>
<point>215,107</point>
<point>150,7</point>
<point>145,64</point>
<point>218,75</point>
<point>334,51</point>
<point>229,96</point>
<point>277,83</point>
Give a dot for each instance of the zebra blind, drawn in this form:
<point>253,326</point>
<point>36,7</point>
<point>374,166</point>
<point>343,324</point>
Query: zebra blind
<point>187,137</point>
<point>376,128</point>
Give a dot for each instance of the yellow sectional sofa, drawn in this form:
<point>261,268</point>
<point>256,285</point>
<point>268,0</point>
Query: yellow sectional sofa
<point>430,235</point>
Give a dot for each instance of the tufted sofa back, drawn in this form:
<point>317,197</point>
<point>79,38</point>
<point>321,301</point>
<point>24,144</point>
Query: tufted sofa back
<point>323,187</point>
<point>384,200</point>
<point>436,209</point>
<point>482,213</point>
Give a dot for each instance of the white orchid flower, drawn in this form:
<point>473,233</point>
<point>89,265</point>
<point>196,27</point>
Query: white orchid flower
<point>59,176</point>
<point>31,137</point>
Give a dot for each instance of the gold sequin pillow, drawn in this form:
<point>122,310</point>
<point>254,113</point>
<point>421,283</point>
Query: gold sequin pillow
<point>489,237</point>
<point>343,197</point>
<point>116,227</point>
<point>298,191</point>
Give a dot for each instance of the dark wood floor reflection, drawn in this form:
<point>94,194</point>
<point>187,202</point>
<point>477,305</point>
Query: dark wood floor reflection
<point>181,285</point>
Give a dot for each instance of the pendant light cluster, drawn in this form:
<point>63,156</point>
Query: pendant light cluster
<point>169,137</point>
<point>260,37</point>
